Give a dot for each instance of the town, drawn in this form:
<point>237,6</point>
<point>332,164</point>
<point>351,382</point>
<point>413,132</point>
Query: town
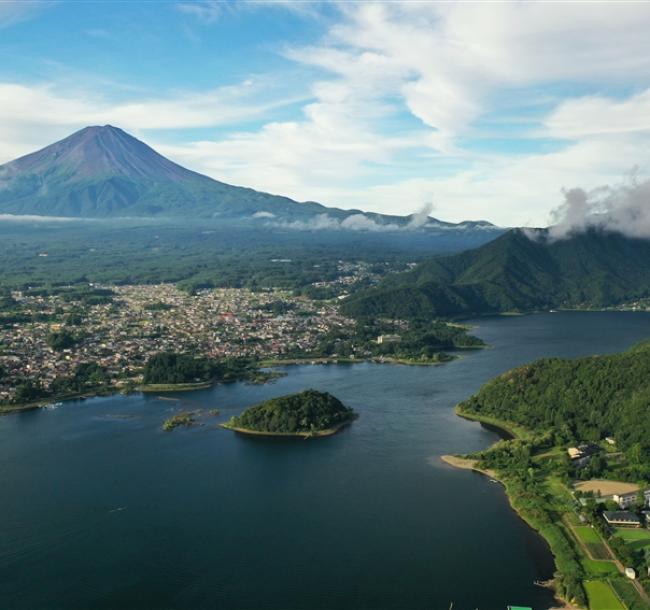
<point>58,332</point>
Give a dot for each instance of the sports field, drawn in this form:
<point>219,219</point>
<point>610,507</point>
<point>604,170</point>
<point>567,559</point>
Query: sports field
<point>601,596</point>
<point>587,533</point>
<point>599,568</point>
<point>606,488</point>
<point>637,537</point>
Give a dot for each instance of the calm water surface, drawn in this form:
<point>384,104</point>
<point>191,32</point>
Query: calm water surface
<point>100,509</point>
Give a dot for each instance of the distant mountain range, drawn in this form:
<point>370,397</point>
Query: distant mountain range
<point>103,172</point>
<point>519,271</point>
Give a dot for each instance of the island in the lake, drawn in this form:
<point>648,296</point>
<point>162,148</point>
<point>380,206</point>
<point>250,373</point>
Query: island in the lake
<point>306,414</point>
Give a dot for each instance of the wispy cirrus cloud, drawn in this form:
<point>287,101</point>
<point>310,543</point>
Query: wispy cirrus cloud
<point>207,11</point>
<point>15,11</point>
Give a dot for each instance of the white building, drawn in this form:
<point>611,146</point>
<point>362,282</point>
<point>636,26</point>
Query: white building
<point>629,499</point>
<point>388,339</point>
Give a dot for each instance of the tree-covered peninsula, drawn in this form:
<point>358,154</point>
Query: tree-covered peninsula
<point>579,401</point>
<point>308,413</point>
<point>169,370</point>
<point>577,424</point>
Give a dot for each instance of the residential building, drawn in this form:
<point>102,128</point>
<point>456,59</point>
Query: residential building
<point>622,518</point>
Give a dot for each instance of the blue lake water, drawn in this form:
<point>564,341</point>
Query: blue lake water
<point>101,509</point>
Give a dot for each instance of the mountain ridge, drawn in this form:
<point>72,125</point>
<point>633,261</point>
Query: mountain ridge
<point>104,172</point>
<point>517,272</point>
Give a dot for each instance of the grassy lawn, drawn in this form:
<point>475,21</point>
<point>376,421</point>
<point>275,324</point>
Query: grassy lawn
<point>601,596</point>
<point>587,534</point>
<point>592,541</point>
<point>599,568</point>
<point>560,492</point>
<point>628,594</point>
<point>637,538</point>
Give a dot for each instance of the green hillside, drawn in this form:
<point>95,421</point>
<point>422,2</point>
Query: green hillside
<point>516,273</point>
<point>578,400</point>
<point>102,172</point>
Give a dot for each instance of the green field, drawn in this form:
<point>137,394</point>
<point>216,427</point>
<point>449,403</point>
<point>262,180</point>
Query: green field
<point>601,596</point>
<point>587,534</point>
<point>599,568</point>
<point>636,538</point>
<point>630,596</point>
<point>592,540</point>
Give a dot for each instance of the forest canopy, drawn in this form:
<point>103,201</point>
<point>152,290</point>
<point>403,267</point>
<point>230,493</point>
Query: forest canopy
<point>579,400</point>
<point>305,412</point>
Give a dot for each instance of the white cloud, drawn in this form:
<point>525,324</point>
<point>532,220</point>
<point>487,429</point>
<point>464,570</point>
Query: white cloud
<point>597,115</point>
<point>623,207</point>
<point>449,65</point>
<point>36,115</point>
<point>355,222</point>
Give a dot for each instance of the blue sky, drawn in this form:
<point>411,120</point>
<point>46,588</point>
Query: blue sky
<point>485,110</point>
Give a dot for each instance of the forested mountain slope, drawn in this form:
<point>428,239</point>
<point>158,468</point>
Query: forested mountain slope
<point>578,400</point>
<point>518,271</point>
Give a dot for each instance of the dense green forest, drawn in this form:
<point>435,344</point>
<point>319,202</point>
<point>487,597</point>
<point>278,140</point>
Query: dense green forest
<point>87,375</point>
<point>305,412</point>
<point>585,399</point>
<point>519,271</point>
<point>209,254</point>
<point>418,341</point>
<point>556,403</point>
<point>170,368</point>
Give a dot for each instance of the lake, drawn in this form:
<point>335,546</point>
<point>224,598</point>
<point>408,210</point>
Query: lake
<point>101,509</point>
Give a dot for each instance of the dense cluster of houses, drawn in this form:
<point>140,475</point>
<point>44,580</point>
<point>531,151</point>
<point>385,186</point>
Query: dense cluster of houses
<point>146,319</point>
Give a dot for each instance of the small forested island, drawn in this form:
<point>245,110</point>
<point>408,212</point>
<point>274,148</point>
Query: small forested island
<point>306,414</point>
<point>577,466</point>
<point>184,418</point>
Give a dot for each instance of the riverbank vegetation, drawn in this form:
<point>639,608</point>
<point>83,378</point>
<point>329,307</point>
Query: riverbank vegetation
<point>581,400</point>
<point>548,406</point>
<point>164,372</point>
<point>171,368</point>
<point>407,342</point>
<point>88,378</point>
<point>169,371</point>
<point>304,414</point>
